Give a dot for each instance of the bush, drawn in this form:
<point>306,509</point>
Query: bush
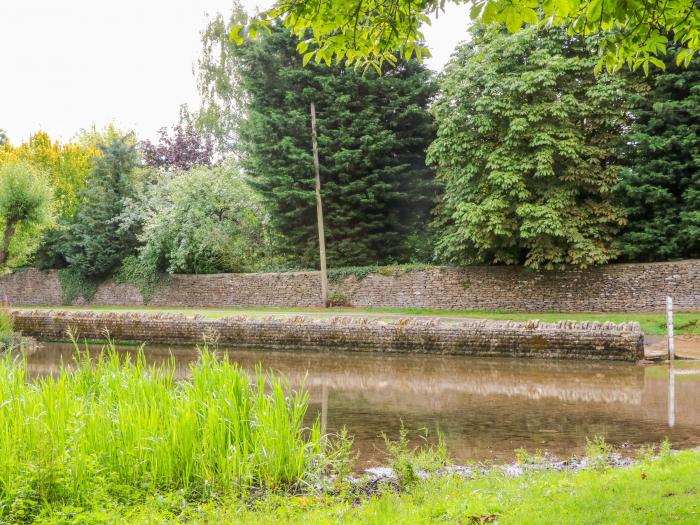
<point>205,220</point>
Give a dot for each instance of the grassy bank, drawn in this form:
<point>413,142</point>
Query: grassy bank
<point>652,323</point>
<point>663,490</point>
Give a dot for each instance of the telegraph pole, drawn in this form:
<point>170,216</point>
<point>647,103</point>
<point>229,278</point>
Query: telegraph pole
<point>319,211</point>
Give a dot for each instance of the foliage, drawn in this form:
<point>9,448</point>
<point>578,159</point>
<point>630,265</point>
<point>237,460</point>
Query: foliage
<point>118,428</point>
<point>373,132</point>
<point>370,32</point>
<point>526,141</point>
<point>661,186</point>
<point>95,240</point>
<point>410,462</point>
<point>6,333</point>
<point>25,208</point>
<point>336,275</point>
<point>205,220</point>
<point>74,285</point>
<point>218,83</point>
<point>142,274</point>
<point>666,493</point>
<point>66,165</point>
<point>185,148</point>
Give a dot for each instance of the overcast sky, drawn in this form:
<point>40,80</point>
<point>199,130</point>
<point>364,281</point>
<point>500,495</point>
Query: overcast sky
<point>69,64</point>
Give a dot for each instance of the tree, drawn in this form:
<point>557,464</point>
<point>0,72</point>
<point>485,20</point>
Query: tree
<point>218,82</point>
<point>66,165</point>
<point>205,220</point>
<point>185,148</point>
<point>25,203</point>
<point>373,132</point>
<point>661,186</point>
<point>371,32</point>
<point>525,147</point>
<point>3,137</point>
<point>95,241</point>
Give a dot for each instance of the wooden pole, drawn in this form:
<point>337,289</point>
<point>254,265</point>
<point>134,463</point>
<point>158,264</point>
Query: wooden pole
<point>319,211</point>
<point>669,323</point>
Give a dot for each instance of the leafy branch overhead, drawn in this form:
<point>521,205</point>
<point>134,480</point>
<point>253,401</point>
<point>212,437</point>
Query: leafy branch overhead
<point>371,32</point>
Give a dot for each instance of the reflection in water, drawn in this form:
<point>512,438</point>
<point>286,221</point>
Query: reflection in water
<point>485,408</point>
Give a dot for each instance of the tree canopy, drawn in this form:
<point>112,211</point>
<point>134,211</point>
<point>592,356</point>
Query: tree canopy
<point>525,147</point>
<point>373,133</point>
<point>371,32</point>
<point>660,186</point>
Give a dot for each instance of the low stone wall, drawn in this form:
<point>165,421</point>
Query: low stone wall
<point>612,288</point>
<point>566,340</point>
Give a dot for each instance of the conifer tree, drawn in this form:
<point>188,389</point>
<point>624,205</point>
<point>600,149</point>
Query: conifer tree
<point>373,133</point>
<point>661,187</point>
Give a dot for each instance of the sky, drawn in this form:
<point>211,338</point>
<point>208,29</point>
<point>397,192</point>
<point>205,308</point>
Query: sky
<point>71,64</point>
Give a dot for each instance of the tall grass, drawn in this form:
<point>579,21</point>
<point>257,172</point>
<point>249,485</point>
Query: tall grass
<point>117,424</point>
<point>6,335</point>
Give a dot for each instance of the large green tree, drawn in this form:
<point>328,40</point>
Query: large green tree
<point>373,133</point>
<point>371,31</point>
<point>661,186</point>
<point>525,147</point>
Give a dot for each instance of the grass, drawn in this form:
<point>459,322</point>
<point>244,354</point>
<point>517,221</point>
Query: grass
<point>662,490</point>
<point>124,429</point>
<point>652,323</point>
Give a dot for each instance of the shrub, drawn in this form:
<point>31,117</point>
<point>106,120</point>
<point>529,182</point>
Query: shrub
<point>204,220</point>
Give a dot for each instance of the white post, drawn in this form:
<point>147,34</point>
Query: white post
<point>669,324</point>
<point>671,396</point>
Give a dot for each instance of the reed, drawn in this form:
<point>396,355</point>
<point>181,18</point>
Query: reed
<point>114,424</point>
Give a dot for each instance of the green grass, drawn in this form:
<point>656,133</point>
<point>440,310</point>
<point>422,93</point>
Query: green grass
<point>665,490</point>
<point>124,429</point>
<point>652,323</point>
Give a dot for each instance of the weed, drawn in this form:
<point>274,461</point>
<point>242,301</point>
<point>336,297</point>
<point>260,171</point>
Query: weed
<point>409,462</point>
<point>598,452</point>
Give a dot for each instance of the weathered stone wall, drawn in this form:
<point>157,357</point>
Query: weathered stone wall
<point>613,288</point>
<point>566,340</point>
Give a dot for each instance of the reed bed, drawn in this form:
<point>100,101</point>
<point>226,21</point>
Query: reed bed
<point>110,423</point>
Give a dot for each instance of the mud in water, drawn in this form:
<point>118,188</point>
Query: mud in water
<point>486,408</point>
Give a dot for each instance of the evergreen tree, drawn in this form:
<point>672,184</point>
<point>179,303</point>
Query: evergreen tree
<point>661,187</point>
<point>95,241</point>
<point>526,138</point>
<point>373,133</point>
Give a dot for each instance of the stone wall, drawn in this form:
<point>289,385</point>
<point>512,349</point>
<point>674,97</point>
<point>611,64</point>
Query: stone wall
<point>612,288</point>
<point>566,340</point>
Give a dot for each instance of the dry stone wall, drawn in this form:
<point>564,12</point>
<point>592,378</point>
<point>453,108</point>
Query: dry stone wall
<point>566,340</point>
<point>612,288</point>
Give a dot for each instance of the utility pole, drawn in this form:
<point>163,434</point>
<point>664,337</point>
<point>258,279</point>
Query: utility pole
<point>319,211</point>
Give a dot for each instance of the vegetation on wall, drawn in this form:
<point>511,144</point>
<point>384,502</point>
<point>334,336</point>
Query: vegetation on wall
<point>526,149</point>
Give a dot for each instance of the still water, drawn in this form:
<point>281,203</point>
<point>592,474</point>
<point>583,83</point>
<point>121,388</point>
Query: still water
<point>486,408</point>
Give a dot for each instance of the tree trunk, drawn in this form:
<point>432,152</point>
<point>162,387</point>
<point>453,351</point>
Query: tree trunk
<point>6,238</point>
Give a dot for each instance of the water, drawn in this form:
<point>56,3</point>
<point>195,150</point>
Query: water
<point>486,408</point>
